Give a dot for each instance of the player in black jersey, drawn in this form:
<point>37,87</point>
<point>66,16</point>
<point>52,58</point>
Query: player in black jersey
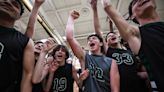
<point>16,67</point>
<point>103,71</point>
<point>130,72</point>
<point>38,45</point>
<point>148,39</point>
<point>59,75</point>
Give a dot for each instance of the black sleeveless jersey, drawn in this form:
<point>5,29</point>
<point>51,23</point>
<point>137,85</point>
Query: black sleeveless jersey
<point>99,73</point>
<point>12,44</point>
<point>63,79</point>
<point>129,80</point>
<point>152,43</point>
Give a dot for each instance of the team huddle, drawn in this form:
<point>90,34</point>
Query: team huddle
<point>126,60</point>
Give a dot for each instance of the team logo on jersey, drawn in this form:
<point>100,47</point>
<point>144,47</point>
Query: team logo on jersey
<point>1,49</point>
<point>60,84</point>
<point>123,58</point>
<point>96,72</point>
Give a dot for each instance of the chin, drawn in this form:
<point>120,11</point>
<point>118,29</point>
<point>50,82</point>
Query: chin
<point>91,50</point>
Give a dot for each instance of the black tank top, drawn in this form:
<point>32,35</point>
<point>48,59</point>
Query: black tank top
<point>12,44</point>
<point>63,79</point>
<point>152,44</point>
<point>129,80</point>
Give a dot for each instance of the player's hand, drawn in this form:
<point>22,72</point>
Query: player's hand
<point>84,75</point>
<point>75,14</point>
<point>93,4</point>
<point>53,66</point>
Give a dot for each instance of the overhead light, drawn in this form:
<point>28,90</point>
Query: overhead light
<point>28,4</point>
<point>84,11</point>
<point>64,38</point>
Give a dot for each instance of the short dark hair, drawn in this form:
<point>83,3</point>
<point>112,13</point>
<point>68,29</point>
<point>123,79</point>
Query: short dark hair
<point>131,13</point>
<point>58,47</point>
<point>21,5</point>
<point>39,41</point>
<point>100,38</point>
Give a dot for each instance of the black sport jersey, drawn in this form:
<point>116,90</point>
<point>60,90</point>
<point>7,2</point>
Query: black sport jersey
<point>12,44</point>
<point>129,80</point>
<point>63,79</point>
<point>152,43</point>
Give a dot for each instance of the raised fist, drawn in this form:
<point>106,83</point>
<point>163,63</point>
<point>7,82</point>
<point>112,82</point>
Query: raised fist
<point>93,4</point>
<point>75,14</point>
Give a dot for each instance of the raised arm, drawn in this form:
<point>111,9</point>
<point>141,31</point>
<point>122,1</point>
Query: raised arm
<point>128,32</point>
<point>28,66</point>
<point>33,17</point>
<point>114,77</point>
<point>96,22</point>
<point>75,46</point>
<point>110,25</point>
<point>42,65</point>
<point>95,17</point>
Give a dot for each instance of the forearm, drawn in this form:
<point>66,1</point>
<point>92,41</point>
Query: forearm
<point>75,76</point>
<point>48,82</point>
<point>97,26</point>
<point>114,77</point>
<point>96,22</point>
<point>115,84</point>
<point>31,23</point>
<point>70,29</point>
<point>119,21</point>
<point>39,68</point>
<point>26,83</point>
<point>80,83</point>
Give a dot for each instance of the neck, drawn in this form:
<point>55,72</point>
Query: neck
<point>36,56</point>
<point>154,17</point>
<point>97,52</point>
<point>61,63</point>
<point>7,23</point>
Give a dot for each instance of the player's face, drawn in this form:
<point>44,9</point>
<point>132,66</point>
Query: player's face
<point>141,8</point>
<point>10,9</point>
<point>112,38</point>
<point>60,55</point>
<point>94,44</point>
<point>38,47</point>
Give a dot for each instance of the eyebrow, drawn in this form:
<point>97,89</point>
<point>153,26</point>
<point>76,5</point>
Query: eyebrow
<point>134,2</point>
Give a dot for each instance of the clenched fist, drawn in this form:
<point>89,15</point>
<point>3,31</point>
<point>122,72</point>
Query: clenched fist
<point>75,14</point>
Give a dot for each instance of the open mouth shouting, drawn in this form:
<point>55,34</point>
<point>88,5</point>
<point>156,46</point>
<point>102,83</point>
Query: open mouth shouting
<point>92,45</point>
<point>59,56</point>
<point>113,38</point>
